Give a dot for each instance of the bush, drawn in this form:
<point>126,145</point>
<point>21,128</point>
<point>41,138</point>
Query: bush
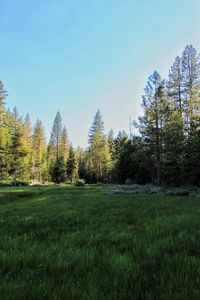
<point>21,183</point>
<point>5,183</point>
<point>80,182</point>
<point>12,183</point>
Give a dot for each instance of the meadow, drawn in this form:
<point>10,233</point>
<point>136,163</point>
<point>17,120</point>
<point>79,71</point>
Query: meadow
<point>86,243</point>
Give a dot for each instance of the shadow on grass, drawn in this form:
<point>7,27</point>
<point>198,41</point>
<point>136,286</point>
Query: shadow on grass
<point>37,194</point>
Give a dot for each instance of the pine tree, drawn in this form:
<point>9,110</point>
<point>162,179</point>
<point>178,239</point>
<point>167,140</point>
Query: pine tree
<point>173,141</point>
<point>51,155</point>
<point>192,143</point>
<point>72,166</point>
<point>56,134</point>
<point>119,142</point>
<point>18,149</point>
<point>82,162</point>
<point>175,83</point>
<point>120,158</point>
<point>39,159</point>
<point>59,170</point>
<point>111,141</point>
<point>191,80</point>
<point>97,127</point>
<point>27,140</point>
<point>99,155</point>
<point>64,144</point>
<point>4,134</point>
<point>55,145</point>
<point>151,125</point>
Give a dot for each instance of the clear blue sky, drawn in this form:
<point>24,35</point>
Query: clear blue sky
<point>76,56</point>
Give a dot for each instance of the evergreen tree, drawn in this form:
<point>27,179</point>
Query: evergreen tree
<point>192,143</point>
<point>18,149</point>
<point>56,134</point>
<point>119,143</point>
<point>191,80</point>
<point>97,127</point>
<point>27,140</point>
<point>151,125</point>
<point>4,134</point>
<point>120,158</point>
<point>173,141</point>
<point>82,162</point>
<point>59,170</point>
<point>39,159</point>
<point>111,141</point>
<point>99,155</point>
<point>64,144</point>
<point>57,143</point>
<point>175,83</point>
<point>51,155</point>
<point>72,166</point>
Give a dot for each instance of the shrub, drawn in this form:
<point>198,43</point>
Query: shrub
<point>21,183</point>
<point>80,182</point>
<point>12,183</point>
<point>5,183</point>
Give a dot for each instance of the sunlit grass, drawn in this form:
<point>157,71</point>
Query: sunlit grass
<point>84,243</point>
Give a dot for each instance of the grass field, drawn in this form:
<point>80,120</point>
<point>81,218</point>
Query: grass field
<point>85,243</point>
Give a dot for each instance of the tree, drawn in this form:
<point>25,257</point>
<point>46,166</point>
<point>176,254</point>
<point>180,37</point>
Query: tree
<point>27,141</point>
<point>175,83</point>
<point>118,144</point>
<point>111,141</point>
<point>18,150</point>
<point>97,127</point>
<point>39,157</point>
<point>191,80</point>
<point>64,144</point>
<point>192,142</point>
<point>121,158</point>
<point>4,134</point>
<point>59,170</point>
<point>72,166</point>
<point>57,142</point>
<point>82,161</point>
<point>99,156</point>
<point>173,146</point>
<point>56,134</point>
<point>51,155</point>
<point>151,125</point>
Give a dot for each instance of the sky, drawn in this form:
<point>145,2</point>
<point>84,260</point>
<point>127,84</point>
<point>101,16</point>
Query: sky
<point>78,56</point>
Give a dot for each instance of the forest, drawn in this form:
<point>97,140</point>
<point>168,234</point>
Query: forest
<point>166,149</point>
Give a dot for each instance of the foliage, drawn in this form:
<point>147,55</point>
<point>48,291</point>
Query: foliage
<point>99,157</point>
<point>59,170</point>
<point>39,154</point>
<point>165,151</point>
<point>72,166</point>
<point>80,182</point>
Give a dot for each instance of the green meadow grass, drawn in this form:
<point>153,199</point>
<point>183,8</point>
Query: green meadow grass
<point>85,243</point>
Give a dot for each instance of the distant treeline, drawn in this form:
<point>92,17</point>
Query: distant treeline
<point>166,150</point>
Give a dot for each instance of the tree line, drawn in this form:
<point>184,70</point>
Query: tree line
<point>165,150</point>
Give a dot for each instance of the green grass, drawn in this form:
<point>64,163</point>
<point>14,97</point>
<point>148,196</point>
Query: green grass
<point>85,243</point>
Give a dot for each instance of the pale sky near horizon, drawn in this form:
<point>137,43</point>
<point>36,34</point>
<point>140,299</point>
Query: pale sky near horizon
<point>78,56</point>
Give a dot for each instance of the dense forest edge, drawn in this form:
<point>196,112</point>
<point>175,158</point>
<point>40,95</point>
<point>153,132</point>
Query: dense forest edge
<point>165,151</point>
